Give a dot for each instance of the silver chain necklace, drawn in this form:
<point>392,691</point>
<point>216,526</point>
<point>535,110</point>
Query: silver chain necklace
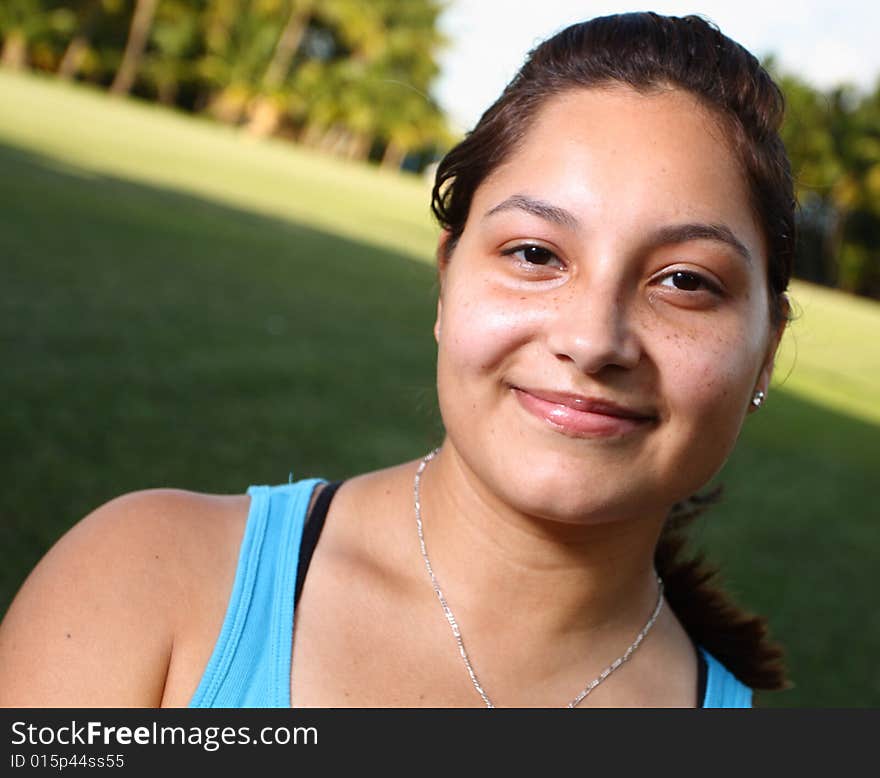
<point>457,632</point>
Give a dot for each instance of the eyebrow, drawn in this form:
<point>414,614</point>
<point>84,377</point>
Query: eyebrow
<point>665,236</point>
<point>540,208</point>
<point>682,233</point>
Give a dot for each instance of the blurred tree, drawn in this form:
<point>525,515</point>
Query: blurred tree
<point>366,79</point>
<point>239,39</point>
<point>345,76</point>
<point>17,20</point>
<point>138,34</point>
<point>167,68</point>
<point>32,31</point>
<point>858,195</point>
<point>87,16</point>
<point>833,140</point>
<point>298,13</point>
<point>267,108</point>
<point>414,120</point>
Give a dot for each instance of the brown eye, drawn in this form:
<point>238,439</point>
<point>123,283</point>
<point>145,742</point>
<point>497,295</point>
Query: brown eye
<point>534,255</point>
<point>537,255</point>
<point>687,282</point>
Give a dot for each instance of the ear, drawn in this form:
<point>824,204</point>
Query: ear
<point>437,320</point>
<point>763,381</point>
<point>444,252</point>
<point>443,255</point>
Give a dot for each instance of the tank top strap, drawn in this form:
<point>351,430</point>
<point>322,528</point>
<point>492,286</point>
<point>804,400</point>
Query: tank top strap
<point>250,664</point>
<point>723,688</point>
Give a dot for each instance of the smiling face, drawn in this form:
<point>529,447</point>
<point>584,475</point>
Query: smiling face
<point>604,318</point>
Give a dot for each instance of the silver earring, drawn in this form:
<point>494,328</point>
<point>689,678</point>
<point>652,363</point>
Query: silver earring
<point>758,399</point>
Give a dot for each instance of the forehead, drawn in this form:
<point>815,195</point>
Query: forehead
<point>614,156</point>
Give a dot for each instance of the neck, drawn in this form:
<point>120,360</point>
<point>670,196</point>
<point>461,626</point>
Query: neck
<point>563,576</point>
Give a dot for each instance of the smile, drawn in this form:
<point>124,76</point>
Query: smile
<point>582,417</point>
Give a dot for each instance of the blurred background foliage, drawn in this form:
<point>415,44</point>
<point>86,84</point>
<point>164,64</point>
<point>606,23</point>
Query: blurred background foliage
<point>353,79</point>
<point>345,76</point>
<point>833,140</point>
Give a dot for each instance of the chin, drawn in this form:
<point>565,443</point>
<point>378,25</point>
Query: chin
<point>560,486</point>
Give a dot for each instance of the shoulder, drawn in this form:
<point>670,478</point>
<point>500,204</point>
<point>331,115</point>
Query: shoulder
<point>95,622</point>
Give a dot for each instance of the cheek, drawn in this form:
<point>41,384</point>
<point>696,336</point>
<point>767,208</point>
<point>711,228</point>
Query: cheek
<point>481,328</point>
<point>707,378</point>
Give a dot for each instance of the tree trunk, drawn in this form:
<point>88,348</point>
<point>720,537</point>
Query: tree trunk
<point>265,114</point>
<point>834,245</point>
<point>141,21</point>
<point>14,54</point>
<point>228,106</point>
<point>73,57</point>
<point>360,147</point>
<point>337,147</point>
<point>265,117</point>
<point>287,46</point>
<point>393,157</point>
<point>310,135</point>
<point>76,50</point>
<point>167,92</point>
<point>330,138</point>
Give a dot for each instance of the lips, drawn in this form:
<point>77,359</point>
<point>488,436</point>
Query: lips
<point>579,416</point>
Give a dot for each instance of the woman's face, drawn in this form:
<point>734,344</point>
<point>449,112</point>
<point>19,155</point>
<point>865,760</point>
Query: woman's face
<point>604,319</point>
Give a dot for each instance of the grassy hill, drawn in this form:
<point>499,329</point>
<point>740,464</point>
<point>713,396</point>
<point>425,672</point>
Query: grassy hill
<point>180,306</point>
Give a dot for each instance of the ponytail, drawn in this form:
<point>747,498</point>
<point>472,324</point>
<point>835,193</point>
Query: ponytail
<point>737,638</point>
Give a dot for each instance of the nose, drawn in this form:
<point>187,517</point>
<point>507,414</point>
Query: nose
<point>594,330</point>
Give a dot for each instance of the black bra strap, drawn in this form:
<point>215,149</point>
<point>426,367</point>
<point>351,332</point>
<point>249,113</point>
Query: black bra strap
<point>311,533</point>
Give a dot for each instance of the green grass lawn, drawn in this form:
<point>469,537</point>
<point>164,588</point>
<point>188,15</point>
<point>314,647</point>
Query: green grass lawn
<point>181,307</point>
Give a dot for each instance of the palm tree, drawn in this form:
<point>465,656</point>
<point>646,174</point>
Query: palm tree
<point>267,107</point>
<point>20,22</point>
<point>833,140</point>
<point>75,52</point>
<point>138,34</point>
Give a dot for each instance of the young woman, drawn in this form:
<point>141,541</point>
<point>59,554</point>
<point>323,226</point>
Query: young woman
<point>617,240</point>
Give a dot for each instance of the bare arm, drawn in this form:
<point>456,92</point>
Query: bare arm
<point>94,624</point>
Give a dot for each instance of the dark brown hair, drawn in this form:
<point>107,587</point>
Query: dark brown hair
<point>650,53</point>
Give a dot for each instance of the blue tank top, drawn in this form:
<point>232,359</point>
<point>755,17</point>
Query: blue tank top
<point>250,664</point>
